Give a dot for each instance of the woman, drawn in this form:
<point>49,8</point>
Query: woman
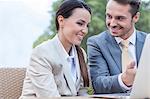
<point>57,66</point>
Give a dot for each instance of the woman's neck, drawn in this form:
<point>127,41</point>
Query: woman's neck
<point>67,46</point>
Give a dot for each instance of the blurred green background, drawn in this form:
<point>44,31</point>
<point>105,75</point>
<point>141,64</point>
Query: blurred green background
<point>97,24</point>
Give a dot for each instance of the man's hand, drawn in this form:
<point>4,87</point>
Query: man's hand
<point>129,75</point>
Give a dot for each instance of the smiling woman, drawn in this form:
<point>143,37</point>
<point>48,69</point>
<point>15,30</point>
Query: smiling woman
<point>21,22</point>
<point>58,66</point>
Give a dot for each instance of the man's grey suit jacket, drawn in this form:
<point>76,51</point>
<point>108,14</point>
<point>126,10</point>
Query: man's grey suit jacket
<point>104,55</point>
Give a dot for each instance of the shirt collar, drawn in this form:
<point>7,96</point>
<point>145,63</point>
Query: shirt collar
<point>132,38</point>
<point>64,52</point>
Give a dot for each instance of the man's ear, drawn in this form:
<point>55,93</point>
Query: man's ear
<point>60,19</point>
<point>136,17</point>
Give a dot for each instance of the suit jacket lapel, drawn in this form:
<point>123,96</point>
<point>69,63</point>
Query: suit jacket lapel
<point>67,72</point>
<point>114,50</point>
<point>139,45</point>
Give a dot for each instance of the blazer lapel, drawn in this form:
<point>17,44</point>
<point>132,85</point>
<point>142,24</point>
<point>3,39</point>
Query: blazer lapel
<point>66,71</point>
<point>114,50</point>
<point>78,71</point>
<point>68,77</point>
<point>139,46</point>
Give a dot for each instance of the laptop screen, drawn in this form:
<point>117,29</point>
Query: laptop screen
<point>141,86</point>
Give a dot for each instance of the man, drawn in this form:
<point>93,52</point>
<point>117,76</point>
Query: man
<point>105,49</point>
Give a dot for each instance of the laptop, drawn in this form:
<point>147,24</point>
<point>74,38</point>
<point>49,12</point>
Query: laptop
<point>141,86</point>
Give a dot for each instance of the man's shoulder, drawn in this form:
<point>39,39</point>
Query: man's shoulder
<point>141,35</point>
<point>100,36</point>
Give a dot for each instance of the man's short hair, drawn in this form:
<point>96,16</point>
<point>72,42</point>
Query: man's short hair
<point>135,5</point>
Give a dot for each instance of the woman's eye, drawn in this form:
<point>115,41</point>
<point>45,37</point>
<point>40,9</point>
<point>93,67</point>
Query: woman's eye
<point>79,23</point>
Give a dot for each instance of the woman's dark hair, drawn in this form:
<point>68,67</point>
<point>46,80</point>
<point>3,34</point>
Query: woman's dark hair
<point>67,7</point>
<point>83,67</point>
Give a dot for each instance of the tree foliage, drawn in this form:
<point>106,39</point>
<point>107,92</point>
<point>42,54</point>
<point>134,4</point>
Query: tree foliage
<point>98,20</point>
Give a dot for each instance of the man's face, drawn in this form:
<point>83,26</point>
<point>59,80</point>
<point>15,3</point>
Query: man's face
<point>119,20</point>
